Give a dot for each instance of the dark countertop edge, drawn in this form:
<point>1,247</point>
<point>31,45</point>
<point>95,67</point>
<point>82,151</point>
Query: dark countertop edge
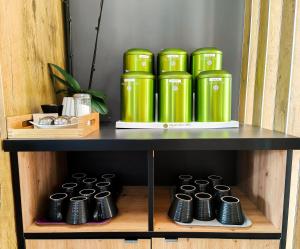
<point>289,143</point>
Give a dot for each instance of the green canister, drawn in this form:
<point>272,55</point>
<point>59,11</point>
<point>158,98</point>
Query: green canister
<point>175,97</point>
<point>172,60</point>
<point>205,59</point>
<point>138,60</point>
<point>213,96</point>
<point>137,97</point>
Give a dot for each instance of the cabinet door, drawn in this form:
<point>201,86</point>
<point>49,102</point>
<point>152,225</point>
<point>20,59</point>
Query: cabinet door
<point>88,244</point>
<point>160,243</point>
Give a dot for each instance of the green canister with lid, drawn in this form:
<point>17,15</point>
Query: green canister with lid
<point>205,59</point>
<point>175,97</point>
<point>172,60</point>
<point>138,60</point>
<point>213,96</point>
<point>137,97</point>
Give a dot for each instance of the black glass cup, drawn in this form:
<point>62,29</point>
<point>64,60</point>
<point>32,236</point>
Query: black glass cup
<point>57,207</point>
<point>203,207</point>
<point>181,209</point>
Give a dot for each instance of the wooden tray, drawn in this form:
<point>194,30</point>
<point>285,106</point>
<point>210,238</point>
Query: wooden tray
<point>19,127</point>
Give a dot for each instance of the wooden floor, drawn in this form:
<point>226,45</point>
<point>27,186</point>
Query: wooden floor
<point>163,224</point>
<point>132,217</point>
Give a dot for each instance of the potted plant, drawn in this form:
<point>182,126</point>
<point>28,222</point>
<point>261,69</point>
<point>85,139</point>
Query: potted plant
<point>71,87</point>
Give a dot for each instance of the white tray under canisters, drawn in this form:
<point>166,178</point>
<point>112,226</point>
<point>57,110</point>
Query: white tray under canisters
<point>190,125</point>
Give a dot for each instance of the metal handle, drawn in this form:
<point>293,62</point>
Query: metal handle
<point>131,241</point>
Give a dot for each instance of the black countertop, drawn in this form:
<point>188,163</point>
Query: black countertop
<point>111,139</point>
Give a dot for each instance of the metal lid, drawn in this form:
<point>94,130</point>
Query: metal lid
<point>208,50</point>
<point>139,51</point>
<point>173,51</point>
<point>214,74</point>
<point>137,75</point>
<point>175,75</point>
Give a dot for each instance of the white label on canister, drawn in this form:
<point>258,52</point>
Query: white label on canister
<point>175,81</point>
<point>215,79</point>
<point>129,80</point>
<point>172,55</point>
<point>209,55</point>
<point>216,87</point>
<point>144,56</point>
<point>175,88</point>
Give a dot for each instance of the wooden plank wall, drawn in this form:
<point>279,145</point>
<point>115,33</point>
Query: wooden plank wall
<point>270,86</point>
<point>32,35</point>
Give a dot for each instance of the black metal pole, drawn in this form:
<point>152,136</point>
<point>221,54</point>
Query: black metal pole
<point>286,201</point>
<point>17,199</point>
<point>150,162</point>
<point>68,35</point>
<point>96,46</point>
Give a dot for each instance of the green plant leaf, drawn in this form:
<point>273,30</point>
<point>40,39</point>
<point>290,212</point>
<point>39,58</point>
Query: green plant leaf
<point>62,91</point>
<point>99,106</point>
<point>72,83</point>
<point>97,94</point>
<point>60,79</point>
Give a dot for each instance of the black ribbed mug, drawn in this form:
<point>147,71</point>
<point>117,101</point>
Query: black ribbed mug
<point>89,182</point>
<point>202,185</point>
<point>203,207</point>
<point>78,177</point>
<point>184,179</point>
<point>181,209</point>
<point>215,180</point>
<point>57,207</point>
<point>115,187</point>
<point>188,190</point>
<point>89,194</point>
<point>218,192</point>
<point>230,212</point>
<point>70,188</point>
<point>77,211</point>
<point>103,186</point>
<point>105,207</point>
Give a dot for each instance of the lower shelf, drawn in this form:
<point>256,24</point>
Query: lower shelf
<point>163,224</point>
<point>132,217</point>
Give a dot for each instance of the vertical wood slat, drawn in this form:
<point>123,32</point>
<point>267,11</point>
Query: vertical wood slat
<point>245,58</point>
<point>293,127</point>
<point>250,43</point>
<point>285,64</point>
<point>271,66</point>
<point>274,100</point>
<point>32,35</point>
<point>261,62</point>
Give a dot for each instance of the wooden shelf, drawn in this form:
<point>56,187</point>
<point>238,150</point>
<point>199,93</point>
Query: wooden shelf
<point>132,217</point>
<point>163,224</point>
